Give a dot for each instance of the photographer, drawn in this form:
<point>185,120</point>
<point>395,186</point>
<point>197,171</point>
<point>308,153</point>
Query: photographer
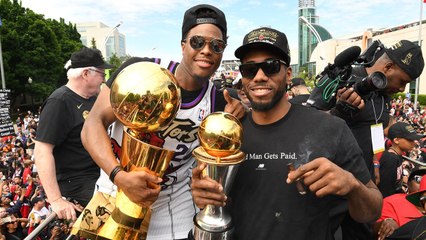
<point>401,63</point>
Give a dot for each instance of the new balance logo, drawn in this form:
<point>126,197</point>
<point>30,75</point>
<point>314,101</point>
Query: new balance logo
<point>261,166</point>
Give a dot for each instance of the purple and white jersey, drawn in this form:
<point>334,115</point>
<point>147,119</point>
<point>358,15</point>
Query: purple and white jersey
<point>173,212</point>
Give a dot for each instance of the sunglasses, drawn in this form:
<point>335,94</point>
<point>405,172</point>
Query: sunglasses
<point>198,42</point>
<point>269,67</point>
<point>417,178</point>
<point>422,201</point>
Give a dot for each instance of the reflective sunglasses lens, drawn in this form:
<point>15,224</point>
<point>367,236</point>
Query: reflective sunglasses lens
<point>197,42</point>
<point>417,178</point>
<point>217,45</point>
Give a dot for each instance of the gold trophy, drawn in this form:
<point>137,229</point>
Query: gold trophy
<point>145,98</point>
<point>220,137</point>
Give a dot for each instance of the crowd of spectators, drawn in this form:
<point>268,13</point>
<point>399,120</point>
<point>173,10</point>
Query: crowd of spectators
<point>23,203</point>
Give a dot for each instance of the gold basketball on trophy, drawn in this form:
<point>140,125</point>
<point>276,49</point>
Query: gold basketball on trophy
<point>220,134</point>
<point>145,97</point>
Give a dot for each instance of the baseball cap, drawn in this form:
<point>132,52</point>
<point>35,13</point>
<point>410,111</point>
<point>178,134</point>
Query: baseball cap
<point>88,57</point>
<point>266,38</point>
<point>403,130</point>
<point>414,197</point>
<point>212,15</point>
<point>296,82</point>
<point>408,56</point>
<point>419,171</point>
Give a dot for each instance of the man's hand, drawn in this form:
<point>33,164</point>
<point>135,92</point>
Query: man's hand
<point>139,186</point>
<point>65,209</point>
<point>351,97</point>
<point>234,106</point>
<point>324,178</point>
<point>387,227</point>
<point>206,191</point>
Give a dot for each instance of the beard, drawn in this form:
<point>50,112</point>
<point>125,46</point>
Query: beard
<point>265,106</point>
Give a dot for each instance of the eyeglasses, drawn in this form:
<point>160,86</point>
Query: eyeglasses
<point>198,42</point>
<point>417,178</point>
<point>102,73</point>
<point>422,201</point>
<point>269,67</point>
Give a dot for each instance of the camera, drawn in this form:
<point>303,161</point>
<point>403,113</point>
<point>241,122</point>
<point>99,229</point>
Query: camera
<point>374,82</point>
<point>338,75</point>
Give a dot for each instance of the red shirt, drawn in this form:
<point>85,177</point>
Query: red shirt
<point>399,209</point>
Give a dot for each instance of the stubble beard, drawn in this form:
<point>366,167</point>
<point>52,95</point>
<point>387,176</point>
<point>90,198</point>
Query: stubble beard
<point>266,106</point>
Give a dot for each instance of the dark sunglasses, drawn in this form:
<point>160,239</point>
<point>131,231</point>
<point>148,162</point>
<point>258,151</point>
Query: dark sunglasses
<point>269,67</point>
<point>417,178</point>
<point>198,42</point>
<point>422,201</point>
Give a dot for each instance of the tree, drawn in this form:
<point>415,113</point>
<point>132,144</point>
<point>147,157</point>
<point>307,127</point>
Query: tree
<point>34,47</point>
<point>93,43</point>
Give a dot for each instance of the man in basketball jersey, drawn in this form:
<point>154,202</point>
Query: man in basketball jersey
<point>203,42</point>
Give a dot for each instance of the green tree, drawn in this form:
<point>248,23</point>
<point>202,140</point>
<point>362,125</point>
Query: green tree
<point>309,79</point>
<point>34,47</point>
<point>93,43</point>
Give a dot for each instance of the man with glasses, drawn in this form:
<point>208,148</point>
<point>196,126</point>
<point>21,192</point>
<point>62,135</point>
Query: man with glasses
<point>65,167</point>
<point>397,210</point>
<point>265,202</point>
<point>203,42</point>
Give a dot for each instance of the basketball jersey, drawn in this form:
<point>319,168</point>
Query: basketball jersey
<point>173,211</point>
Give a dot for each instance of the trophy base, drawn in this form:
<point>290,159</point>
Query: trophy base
<point>201,234</point>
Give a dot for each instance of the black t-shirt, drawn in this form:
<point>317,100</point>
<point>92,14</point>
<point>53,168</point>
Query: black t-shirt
<point>263,205</point>
<point>376,110</point>
<point>389,163</point>
<point>61,121</point>
<point>299,99</point>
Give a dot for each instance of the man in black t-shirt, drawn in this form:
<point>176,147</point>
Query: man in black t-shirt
<point>401,63</point>
<point>65,167</point>
<point>265,202</point>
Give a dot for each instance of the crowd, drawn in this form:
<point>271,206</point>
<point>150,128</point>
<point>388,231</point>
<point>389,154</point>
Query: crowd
<point>23,202</point>
<point>71,141</point>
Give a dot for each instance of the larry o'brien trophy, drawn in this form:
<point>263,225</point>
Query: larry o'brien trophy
<point>220,136</point>
<point>145,98</point>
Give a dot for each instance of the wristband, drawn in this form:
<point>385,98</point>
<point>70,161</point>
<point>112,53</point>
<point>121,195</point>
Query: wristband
<point>114,173</point>
<point>376,164</point>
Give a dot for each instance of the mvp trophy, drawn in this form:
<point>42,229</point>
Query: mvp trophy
<point>220,137</point>
<point>145,98</point>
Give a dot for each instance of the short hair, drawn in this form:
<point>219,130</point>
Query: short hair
<point>76,72</point>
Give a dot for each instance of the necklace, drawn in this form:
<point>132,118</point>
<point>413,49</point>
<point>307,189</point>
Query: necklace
<point>395,151</point>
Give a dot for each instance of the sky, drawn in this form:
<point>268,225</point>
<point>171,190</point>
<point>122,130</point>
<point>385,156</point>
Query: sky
<point>153,27</point>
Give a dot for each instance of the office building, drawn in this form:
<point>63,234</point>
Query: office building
<point>107,39</point>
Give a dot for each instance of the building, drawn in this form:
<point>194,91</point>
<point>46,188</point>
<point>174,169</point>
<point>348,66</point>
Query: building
<point>108,40</point>
<point>310,34</point>
<point>326,51</point>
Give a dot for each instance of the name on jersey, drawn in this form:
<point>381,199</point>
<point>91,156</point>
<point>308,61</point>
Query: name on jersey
<point>271,156</point>
<point>182,130</point>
